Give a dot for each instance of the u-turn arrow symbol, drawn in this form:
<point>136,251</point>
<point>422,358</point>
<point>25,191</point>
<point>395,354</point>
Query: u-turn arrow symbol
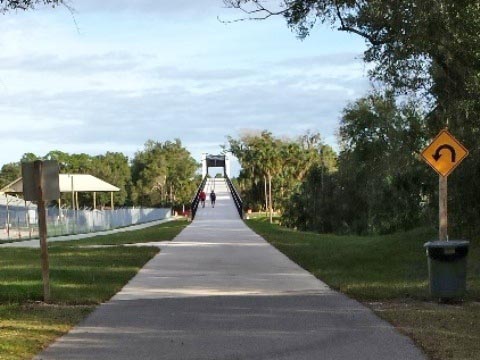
<point>437,154</point>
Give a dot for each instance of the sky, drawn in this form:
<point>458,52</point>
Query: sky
<point>116,73</point>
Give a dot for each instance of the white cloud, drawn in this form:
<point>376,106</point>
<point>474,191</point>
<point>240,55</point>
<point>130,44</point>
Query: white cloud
<point>80,64</point>
<point>337,59</point>
<point>177,7</point>
<point>125,76</point>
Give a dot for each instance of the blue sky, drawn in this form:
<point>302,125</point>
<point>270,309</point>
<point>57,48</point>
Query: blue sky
<point>119,72</point>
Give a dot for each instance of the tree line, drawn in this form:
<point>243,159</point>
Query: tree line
<point>426,68</point>
<point>426,71</point>
<point>376,183</point>
<point>163,174</point>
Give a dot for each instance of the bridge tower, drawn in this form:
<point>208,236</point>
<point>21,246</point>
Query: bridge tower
<point>209,160</point>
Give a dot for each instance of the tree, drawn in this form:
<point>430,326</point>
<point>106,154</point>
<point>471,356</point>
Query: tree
<point>181,168</point>
<point>149,175</point>
<point>279,164</point>
<point>378,166</point>
<point>313,205</point>
<point>113,167</point>
<point>423,48</point>
<point>9,173</point>
<point>29,157</point>
<point>409,41</point>
<point>9,5</point>
<point>380,186</point>
<point>260,156</point>
<point>162,174</point>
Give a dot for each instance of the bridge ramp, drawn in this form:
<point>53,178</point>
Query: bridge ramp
<point>224,206</point>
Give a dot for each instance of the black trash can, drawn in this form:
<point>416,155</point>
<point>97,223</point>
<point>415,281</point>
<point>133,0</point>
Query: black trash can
<point>447,268</point>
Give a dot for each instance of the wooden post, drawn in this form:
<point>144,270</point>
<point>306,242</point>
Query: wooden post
<point>73,194</point>
<point>442,208</point>
<point>76,200</point>
<point>111,200</point>
<point>42,230</point>
<point>94,200</point>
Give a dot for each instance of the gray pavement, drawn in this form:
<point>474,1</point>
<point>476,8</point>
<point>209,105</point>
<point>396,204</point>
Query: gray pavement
<point>219,291</point>
<point>35,243</point>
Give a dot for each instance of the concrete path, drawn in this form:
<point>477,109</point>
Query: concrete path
<point>35,243</point>
<point>219,291</point>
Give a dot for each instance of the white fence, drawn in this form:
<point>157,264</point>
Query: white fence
<point>21,222</point>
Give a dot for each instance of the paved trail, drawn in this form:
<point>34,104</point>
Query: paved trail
<point>35,243</point>
<point>219,291</point>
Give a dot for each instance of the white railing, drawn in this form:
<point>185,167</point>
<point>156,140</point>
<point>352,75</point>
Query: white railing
<point>20,223</point>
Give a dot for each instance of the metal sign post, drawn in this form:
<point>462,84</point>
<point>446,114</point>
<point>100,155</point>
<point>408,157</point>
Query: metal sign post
<point>40,184</point>
<point>42,230</point>
<point>444,154</point>
<point>447,260</point>
<point>442,208</point>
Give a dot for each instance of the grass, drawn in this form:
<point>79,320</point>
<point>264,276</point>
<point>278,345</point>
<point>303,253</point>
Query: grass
<point>162,232</point>
<point>77,275</point>
<point>27,328</point>
<point>389,273</point>
<point>81,277</point>
<point>168,231</point>
<point>444,331</point>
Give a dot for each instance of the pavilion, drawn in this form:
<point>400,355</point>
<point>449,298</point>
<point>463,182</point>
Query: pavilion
<point>71,183</point>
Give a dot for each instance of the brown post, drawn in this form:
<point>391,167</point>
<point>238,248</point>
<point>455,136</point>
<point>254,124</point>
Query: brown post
<point>42,230</point>
<point>111,200</point>
<point>94,200</point>
<point>442,208</point>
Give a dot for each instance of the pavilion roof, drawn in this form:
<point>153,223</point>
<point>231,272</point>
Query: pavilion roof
<point>68,183</point>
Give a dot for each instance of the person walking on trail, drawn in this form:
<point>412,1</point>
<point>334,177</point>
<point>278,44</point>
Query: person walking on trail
<point>203,197</point>
<point>213,197</point>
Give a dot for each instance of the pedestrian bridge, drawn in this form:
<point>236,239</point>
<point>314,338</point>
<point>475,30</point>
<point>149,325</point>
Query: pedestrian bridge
<point>228,204</point>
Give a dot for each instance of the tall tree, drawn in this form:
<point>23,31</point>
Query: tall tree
<point>377,184</point>
<point>377,163</point>
<point>425,48</point>
<point>408,41</point>
<point>259,155</point>
<point>113,167</point>
<point>162,174</point>
<point>281,163</point>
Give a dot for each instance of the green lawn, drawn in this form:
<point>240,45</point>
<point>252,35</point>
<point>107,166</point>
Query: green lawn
<point>444,331</point>
<point>162,232</point>
<point>27,328</point>
<point>389,274</point>
<point>81,277</point>
<point>77,275</point>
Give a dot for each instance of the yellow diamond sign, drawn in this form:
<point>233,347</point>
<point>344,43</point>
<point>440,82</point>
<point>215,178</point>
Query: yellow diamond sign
<point>445,153</point>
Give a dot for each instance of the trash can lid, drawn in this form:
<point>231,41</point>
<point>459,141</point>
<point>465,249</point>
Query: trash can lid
<point>447,244</point>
